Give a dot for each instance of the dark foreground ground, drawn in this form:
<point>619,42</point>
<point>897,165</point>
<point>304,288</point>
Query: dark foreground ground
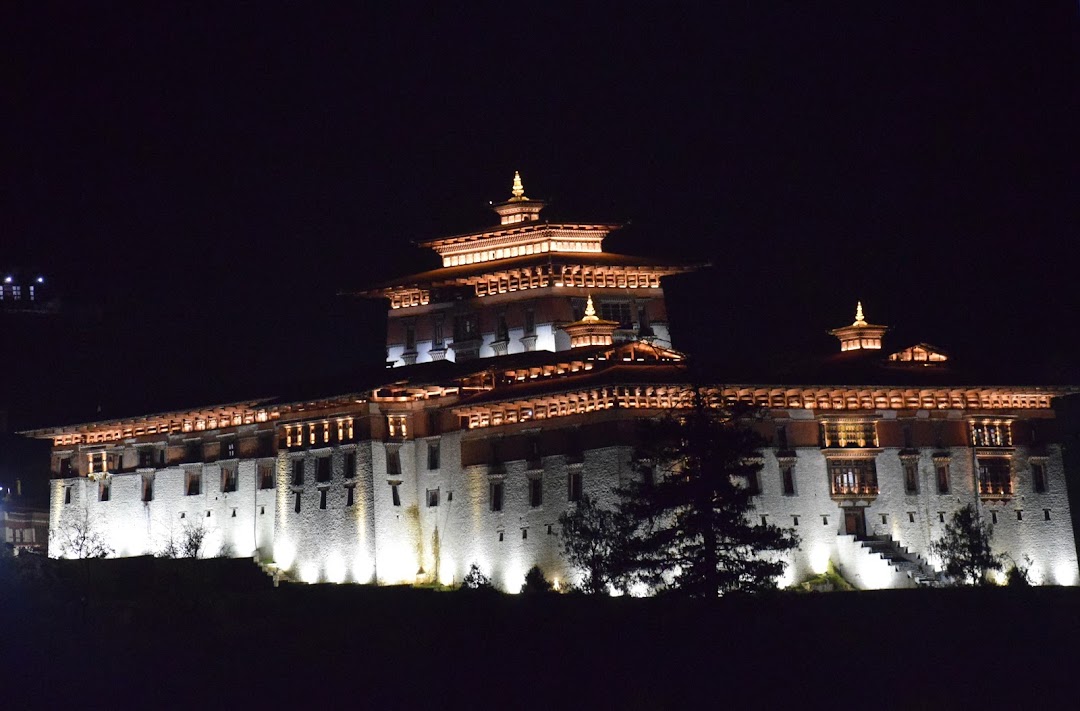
<point>145,633</point>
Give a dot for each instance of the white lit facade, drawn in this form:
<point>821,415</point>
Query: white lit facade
<point>416,480</point>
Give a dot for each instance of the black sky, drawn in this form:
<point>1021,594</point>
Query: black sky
<point>211,175</point>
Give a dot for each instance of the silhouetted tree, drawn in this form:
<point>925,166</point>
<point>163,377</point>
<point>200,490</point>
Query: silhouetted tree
<point>189,545</point>
<point>535,582</point>
<point>594,540</point>
<point>476,580</point>
<point>964,548</point>
<point>693,534</point>
<point>78,537</point>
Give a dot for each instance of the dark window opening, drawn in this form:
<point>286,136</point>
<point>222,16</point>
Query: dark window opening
<point>536,492</point>
<point>266,476</point>
<point>438,338</point>
<point>395,495</point>
<point>228,479</point>
<point>530,322</point>
<point>147,458</point>
<point>1046,514</point>
<point>648,477</point>
<point>796,520</point>
<point>296,508</point>
<point>942,478</point>
<point>322,498</point>
<point>618,311</point>
<point>995,477</point>
<point>495,495</point>
<point>104,489</point>
<point>350,495</point>
<point>67,494</point>
<point>884,519</point>
<point>433,455</point>
<point>911,516</point>
<point>524,533</point>
<point>573,486</point>
<point>322,470</point>
<point>393,462</point>
<point>432,498</point>
<point>753,483</point>
<point>781,437</point>
<point>1019,515</point>
<point>941,517</point>
<point>993,516</point>
<point>194,483</point>
<point>911,477</point>
<point>466,327</point>
<point>350,465</point>
<point>787,473</point>
<point>148,488</point>
<point>853,477</point>
<point>1038,477</point>
<point>298,472</point>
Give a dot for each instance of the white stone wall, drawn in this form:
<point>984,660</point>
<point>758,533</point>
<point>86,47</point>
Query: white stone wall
<point>236,523</point>
<point>374,540</point>
<point>915,520</point>
<point>546,340</point>
<point>469,531</point>
<point>332,544</point>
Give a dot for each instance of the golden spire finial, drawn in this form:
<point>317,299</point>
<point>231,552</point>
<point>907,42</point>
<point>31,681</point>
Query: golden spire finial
<point>590,311</point>
<point>518,191</point>
<point>859,319</point>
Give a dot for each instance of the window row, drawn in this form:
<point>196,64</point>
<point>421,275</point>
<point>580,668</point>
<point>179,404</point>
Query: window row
<point>320,433</point>
<point>157,457</point>
<point>911,517</point>
<point>193,483</point>
<point>322,469</point>
<point>350,498</point>
<point>497,492</point>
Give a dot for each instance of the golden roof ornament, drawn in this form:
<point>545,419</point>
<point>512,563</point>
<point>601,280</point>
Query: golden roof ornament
<point>859,320</point>
<point>590,311</point>
<point>518,191</point>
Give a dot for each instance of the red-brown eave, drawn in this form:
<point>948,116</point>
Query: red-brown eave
<point>463,274</point>
<point>521,228</point>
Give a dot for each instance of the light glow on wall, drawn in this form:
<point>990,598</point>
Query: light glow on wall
<point>335,568</point>
<point>1065,573</point>
<point>447,570</point>
<point>362,568</point>
<point>284,554</point>
<point>513,577</point>
<point>309,573</point>
<point>819,559</point>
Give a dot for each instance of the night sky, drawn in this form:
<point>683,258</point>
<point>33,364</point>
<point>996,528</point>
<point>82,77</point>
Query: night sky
<point>201,181</point>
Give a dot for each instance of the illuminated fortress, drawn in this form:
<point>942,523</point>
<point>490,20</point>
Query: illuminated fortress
<point>520,370</point>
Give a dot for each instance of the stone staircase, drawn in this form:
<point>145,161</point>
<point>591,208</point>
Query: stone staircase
<point>879,563</point>
<point>275,573</point>
<point>910,564</point>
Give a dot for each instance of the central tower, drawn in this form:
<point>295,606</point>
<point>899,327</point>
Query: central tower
<point>510,288</point>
